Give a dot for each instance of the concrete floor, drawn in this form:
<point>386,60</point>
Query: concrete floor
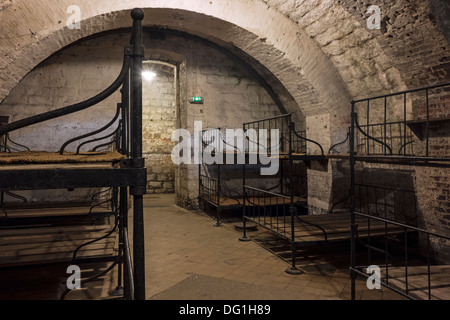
<point>189,259</point>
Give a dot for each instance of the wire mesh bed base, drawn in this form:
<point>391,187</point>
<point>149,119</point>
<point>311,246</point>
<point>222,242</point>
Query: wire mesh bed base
<point>54,243</point>
<point>238,202</point>
<point>320,229</point>
<point>41,157</point>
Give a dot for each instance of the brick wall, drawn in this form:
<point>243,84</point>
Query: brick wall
<point>402,192</point>
<point>159,121</point>
<point>433,193</point>
<point>68,77</point>
<point>231,95</point>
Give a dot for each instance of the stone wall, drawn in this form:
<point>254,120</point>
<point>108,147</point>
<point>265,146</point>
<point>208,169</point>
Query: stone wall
<point>159,121</point>
<point>70,76</point>
<point>231,96</point>
<point>433,195</point>
<point>402,192</point>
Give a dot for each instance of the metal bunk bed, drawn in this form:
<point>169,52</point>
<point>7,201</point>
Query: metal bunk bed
<point>382,132</point>
<point>211,179</point>
<point>278,210</point>
<point>123,171</point>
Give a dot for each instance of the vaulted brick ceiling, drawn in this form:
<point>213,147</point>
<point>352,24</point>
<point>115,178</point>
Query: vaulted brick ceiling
<point>320,50</point>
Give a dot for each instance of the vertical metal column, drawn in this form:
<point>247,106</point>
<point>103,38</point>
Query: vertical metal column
<point>136,153</point>
<point>292,209</point>
<point>123,209</point>
<point>200,185</point>
<point>427,129</point>
<point>385,125</point>
<point>123,273</point>
<point>122,290</point>
<point>405,124</point>
<point>244,194</point>
<point>352,204</point>
<point>126,116</point>
<point>218,192</point>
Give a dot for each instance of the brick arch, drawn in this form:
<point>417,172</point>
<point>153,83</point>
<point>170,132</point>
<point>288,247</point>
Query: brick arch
<point>251,26</point>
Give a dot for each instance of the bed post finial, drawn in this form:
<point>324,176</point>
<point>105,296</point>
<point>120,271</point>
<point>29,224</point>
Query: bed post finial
<point>137,14</point>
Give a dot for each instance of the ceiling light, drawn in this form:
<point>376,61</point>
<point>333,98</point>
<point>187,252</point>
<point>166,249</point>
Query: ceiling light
<point>148,75</point>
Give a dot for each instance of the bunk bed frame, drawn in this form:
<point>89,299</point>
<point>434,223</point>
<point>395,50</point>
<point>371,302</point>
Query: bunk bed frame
<point>401,142</point>
<point>277,211</point>
<point>210,185</point>
<point>125,173</point>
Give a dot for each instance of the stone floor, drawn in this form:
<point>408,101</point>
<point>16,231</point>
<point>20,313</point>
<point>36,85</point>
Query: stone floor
<point>189,259</point>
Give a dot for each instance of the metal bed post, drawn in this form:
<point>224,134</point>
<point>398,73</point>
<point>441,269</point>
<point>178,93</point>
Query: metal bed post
<point>427,129</point>
<point>405,158</point>
<point>123,285</point>
<point>219,208</point>
<point>126,116</point>
<point>200,186</point>
<point>119,291</point>
<point>136,153</point>
<point>128,286</point>
<point>123,225</point>
<point>200,179</point>
<point>352,204</point>
<point>244,237</point>
<point>405,124</point>
<point>131,174</point>
<point>292,210</point>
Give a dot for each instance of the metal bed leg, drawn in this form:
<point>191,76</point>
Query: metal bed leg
<point>119,290</point>
<point>293,270</point>
<point>219,213</point>
<point>136,152</point>
<point>138,248</point>
<point>244,238</point>
<point>219,208</point>
<point>352,205</point>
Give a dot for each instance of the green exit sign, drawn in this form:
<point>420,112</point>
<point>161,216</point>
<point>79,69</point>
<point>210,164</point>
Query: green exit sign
<point>196,100</point>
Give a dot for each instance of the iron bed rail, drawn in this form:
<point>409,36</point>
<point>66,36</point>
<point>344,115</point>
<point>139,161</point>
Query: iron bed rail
<point>407,229</point>
<point>289,138</point>
<point>295,145</point>
<point>410,159</point>
<point>415,98</point>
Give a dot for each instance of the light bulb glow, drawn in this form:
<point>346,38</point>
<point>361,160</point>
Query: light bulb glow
<point>148,75</point>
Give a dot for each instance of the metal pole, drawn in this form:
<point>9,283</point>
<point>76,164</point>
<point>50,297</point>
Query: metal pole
<point>244,193</point>
<point>427,152</point>
<point>200,186</point>
<point>124,226</point>
<point>136,153</point>
<point>126,116</point>
<point>385,125</point>
<point>352,205</point>
<point>219,208</point>
<point>123,208</point>
<point>405,124</point>
<point>292,210</point>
